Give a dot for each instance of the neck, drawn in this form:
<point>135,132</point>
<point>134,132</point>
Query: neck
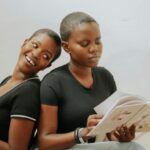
<point>82,74</point>
<point>17,75</point>
<point>78,70</point>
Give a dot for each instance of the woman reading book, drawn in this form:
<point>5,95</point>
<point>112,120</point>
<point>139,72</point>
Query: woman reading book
<point>70,92</point>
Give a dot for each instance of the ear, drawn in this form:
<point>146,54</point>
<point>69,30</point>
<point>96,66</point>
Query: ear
<point>65,46</point>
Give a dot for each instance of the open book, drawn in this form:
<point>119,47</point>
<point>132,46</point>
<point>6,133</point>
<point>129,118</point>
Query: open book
<point>122,108</point>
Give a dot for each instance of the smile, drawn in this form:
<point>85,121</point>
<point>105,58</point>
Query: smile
<point>29,60</point>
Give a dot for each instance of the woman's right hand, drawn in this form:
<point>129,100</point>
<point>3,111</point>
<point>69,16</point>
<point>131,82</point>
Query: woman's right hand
<point>92,121</point>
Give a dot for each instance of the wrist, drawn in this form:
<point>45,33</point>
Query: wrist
<point>78,136</point>
<point>81,137</point>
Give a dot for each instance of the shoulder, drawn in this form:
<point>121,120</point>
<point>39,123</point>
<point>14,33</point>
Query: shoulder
<point>56,74</point>
<point>51,85</point>
<point>104,75</point>
<point>102,71</point>
<point>26,102</point>
<point>29,86</point>
<point>33,82</point>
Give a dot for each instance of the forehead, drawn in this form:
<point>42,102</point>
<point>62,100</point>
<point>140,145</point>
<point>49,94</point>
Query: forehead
<point>44,40</point>
<point>86,30</point>
<point>42,37</point>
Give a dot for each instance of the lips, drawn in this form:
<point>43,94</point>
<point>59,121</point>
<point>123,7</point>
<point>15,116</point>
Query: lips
<point>94,57</point>
<point>30,60</point>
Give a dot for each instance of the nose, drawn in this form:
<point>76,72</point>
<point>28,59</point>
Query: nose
<point>36,53</point>
<point>93,48</point>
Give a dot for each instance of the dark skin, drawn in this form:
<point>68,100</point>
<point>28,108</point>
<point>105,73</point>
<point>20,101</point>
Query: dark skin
<point>85,48</point>
<point>122,134</point>
<point>35,55</point>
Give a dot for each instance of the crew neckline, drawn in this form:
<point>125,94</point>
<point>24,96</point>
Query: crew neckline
<point>17,85</point>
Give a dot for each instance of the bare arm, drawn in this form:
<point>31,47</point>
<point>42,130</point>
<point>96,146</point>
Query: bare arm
<point>20,131</point>
<point>47,136</point>
<point>47,132</point>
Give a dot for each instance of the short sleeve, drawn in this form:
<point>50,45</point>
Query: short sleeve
<point>50,89</point>
<point>111,81</point>
<point>26,102</point>
<point>108,79</point>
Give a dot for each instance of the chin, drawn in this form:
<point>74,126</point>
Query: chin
<point>93,65</point>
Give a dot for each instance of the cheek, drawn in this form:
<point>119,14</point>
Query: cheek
<point>100,49</point>
<point>25,48</point>
<point>22,50</point>
<point>79,54</point>
<point>43,63</point>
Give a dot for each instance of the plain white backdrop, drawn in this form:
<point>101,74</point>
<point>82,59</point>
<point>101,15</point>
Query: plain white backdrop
<point>125,29</point>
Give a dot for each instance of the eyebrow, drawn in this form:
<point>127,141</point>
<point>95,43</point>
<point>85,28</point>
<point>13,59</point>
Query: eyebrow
<point>37,42</point>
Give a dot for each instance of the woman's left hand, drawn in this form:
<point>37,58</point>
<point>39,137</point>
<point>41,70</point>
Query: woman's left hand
<point>122,134</point>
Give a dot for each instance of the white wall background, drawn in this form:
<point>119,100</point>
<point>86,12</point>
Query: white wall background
<point>125,28</point>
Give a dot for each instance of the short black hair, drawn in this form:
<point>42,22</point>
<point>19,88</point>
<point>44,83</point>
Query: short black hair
<point>52,34</point>
<point>72,20</point>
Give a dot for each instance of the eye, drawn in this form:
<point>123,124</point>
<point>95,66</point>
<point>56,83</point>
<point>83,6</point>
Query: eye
<point>46,57</point>
<point>98,41</point>
<point>84,43</point>
<point>34,45</point>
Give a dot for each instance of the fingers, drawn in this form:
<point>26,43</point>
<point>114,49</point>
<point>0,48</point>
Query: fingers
<point>111,136</point>
<point>85,131</point>
<point>116,134</point>
<point>122,134</point>
<point>124,131</point>
<point>95,116</point>
<point>132,130</point>
<point>125,134</point>
<point>93,120</point>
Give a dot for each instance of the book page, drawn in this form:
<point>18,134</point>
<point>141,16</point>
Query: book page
<point>141,120</point>
<point>121,115</point>
<point>109,103</point>
<point>116,99</point>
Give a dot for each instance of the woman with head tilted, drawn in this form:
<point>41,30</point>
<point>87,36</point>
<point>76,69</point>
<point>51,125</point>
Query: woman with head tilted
<point>19,93</point>
<point>70,92</point>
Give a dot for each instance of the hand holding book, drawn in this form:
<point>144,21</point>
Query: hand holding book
<point>122,134</point>
<point>122,108</point>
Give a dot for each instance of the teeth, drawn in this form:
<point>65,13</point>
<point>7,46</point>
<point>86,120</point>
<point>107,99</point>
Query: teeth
<point>30,61</point>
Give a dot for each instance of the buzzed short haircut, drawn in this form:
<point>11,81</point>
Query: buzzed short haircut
<point>71,21</point>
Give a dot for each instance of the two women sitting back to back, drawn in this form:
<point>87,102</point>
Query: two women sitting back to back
<point>67,94</point>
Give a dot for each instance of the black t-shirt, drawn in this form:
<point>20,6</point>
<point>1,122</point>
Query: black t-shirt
<point>23,101</point>
<point>75,102</point>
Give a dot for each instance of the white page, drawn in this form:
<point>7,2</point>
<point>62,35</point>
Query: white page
<point>117,98</point>
<point>119,116</point>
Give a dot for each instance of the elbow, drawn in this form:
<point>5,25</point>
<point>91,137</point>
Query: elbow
<point>44,143</point>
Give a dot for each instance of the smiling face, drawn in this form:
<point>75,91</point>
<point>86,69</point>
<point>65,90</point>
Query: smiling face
<point>84,45</point>
<point>36,54</point>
